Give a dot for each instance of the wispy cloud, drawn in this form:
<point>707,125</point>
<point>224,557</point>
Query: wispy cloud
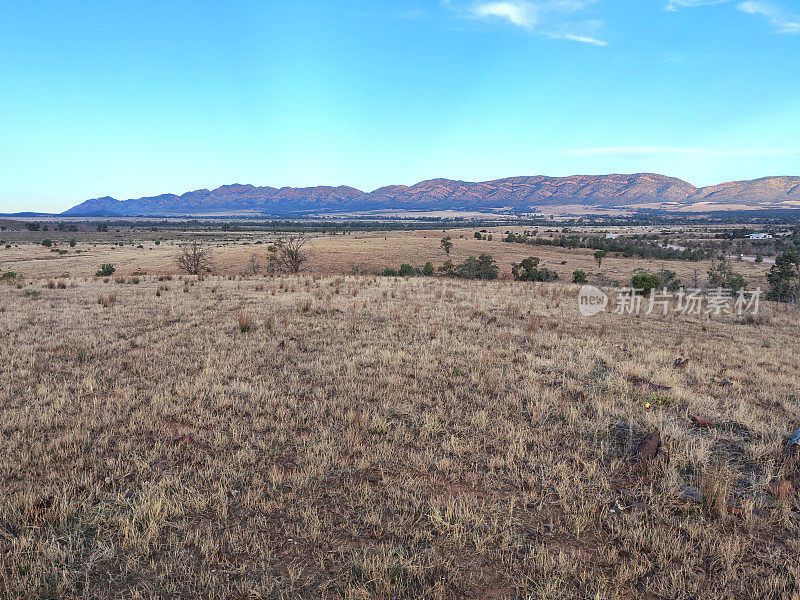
<point>784,23</point>
<point>675,5</point>
<point>522,14</point>
<point>649,151</point>
<point>584,39</point>
<point>547,17</point>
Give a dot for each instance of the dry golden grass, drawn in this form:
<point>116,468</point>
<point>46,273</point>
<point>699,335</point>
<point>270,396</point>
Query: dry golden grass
<point>362,252</point>
<point>384,438</point>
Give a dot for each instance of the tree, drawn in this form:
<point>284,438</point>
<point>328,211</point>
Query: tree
<point>722,275</point>
<point>447,245</point>
<point>428,270</point>
<point>645,282</point>
<point>599,256</point>
<point>292,255</point>
<point>528,270</point>
<point>72,242</point>
<point>478,235</point>
<point>105,270</point>
<point>194,258</point>
<point>784,277</point>
<point>579,277</point>
<point>669,280</point>
<point>253,265</point>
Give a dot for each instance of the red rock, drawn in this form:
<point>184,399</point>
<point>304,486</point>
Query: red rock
<point>700,421</point>
<point>781,488</point>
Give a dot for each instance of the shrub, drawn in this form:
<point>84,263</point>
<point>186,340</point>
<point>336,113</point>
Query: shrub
<point>73,242</point>
<point>47,243</point>
<point>245,321</point>
<point>106,300</point>
<point>645,282</point>
<point>579,277</point>
<point>528,270</point>
<point>389,272</point>
<point>483,267</point>
<point>428,270</point>
<point>478,235</point>
<point>105,270</point>
<point>407,270</point>
<point>8,276</point>
<point>448,268</point>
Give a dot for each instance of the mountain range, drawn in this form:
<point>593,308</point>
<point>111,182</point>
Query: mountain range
<point>577,193</point>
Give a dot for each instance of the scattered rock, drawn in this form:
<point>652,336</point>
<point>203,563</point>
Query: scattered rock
<point>680,363</point>
<point>689,493</point>
<point>700,421</point>
<point>372,478</point>
<point>648,448</point>
<point>653,387</point>
<point>781,488</point>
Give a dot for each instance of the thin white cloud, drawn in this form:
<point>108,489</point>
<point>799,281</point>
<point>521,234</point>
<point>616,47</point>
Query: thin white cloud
<point>675,5</point>
<point>783,22</point>
<point>522,14</point>
<point>649,151</point>
<point>584,39</point>
<point>547,17</point>
<point>775,16</point>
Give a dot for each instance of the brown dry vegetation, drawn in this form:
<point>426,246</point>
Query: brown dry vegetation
<point>362,252</point>
<point>370,437</point>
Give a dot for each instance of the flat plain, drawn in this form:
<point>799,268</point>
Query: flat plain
<point>329,435</point>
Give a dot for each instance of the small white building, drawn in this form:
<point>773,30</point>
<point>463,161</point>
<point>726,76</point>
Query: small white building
<point>611,236</point>
<point>759,236</point>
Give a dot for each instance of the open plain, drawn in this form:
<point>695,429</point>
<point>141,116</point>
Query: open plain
<point>328,435</point>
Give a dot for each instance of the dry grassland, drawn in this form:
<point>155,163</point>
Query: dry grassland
<point>363,252</point>
<point>362,437</point>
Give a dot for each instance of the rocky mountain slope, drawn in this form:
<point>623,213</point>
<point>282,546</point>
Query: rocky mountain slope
<point>520,194</point>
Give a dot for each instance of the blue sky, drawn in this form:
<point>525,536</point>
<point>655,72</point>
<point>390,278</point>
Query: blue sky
<point>146,97</point>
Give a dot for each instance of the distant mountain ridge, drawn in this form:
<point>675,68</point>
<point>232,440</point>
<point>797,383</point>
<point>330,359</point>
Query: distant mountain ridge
<point>519,194</point>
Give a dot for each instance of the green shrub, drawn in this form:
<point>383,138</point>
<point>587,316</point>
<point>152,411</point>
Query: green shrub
<point>105,270</point>
<point>483,267</point>
<point>428,270</point>
<point>407,270</point>
<point>645,282</point>
<point>47,243</point>
<point>528,270</point>
<point>579,277</point>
